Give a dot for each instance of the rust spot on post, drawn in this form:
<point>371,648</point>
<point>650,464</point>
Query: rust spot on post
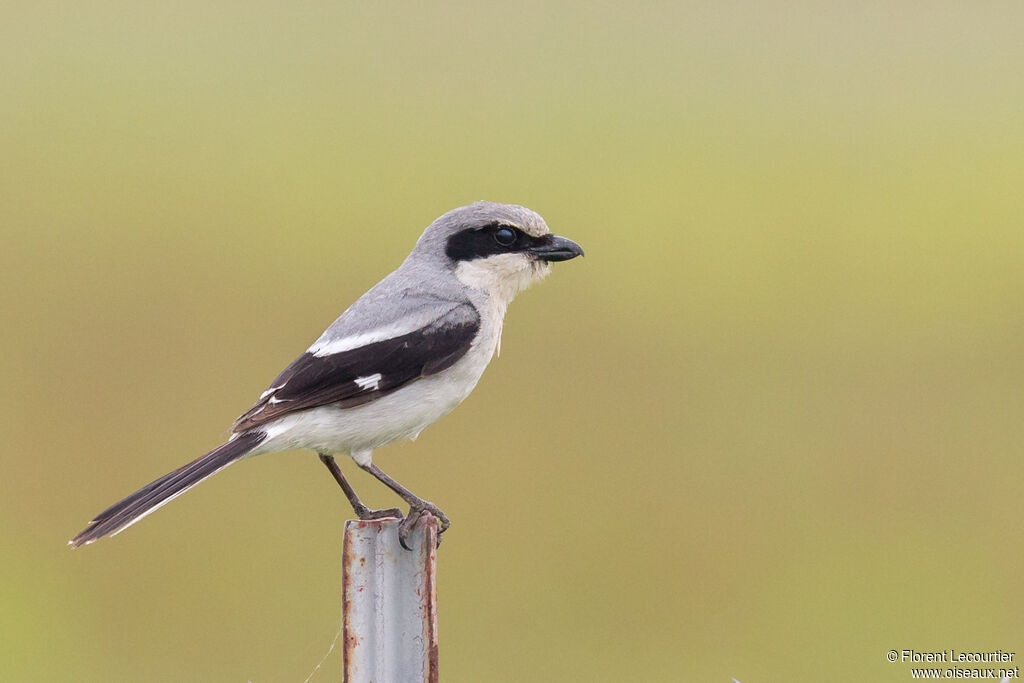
<point>430,591</point>
<point>349,640</point>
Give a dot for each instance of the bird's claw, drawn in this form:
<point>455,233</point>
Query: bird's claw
<point>415,512</point>
<point>364,513</point>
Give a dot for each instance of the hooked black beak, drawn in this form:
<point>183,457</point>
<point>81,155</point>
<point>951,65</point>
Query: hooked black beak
<point>555,248</point>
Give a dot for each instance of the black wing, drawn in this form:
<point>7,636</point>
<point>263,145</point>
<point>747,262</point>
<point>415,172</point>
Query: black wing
<point>360,375</point>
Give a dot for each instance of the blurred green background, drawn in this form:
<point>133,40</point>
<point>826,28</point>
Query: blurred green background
<point>769,428</point>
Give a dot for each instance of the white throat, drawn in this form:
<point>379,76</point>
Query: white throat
<point>501,278</point>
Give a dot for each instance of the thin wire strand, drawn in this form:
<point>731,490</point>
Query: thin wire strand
<point>337,635</point>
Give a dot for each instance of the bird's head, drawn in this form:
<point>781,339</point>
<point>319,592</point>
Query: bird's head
<point>499,248</point>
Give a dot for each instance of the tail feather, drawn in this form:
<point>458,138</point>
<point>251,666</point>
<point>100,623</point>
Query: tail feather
<point>121,515</point>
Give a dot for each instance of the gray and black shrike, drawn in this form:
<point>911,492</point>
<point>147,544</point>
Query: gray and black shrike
<point>401,357</point>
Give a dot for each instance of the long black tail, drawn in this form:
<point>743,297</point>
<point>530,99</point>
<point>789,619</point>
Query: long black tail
<point>163,490</point>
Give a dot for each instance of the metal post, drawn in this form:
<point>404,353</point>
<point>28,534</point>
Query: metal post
<point>389,599</point>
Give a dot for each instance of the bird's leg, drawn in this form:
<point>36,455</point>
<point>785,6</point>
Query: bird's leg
<point>360,509</point>
<point>417,506</point>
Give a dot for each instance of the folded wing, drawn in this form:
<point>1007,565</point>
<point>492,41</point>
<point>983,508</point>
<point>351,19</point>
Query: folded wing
<point>366,372</point>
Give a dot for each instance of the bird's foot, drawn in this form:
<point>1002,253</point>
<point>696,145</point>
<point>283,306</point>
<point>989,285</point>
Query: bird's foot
<point>416,511</point>
<point>364,513</point>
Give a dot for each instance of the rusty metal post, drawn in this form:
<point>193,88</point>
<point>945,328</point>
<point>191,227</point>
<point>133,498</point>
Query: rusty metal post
<point>389,600</point>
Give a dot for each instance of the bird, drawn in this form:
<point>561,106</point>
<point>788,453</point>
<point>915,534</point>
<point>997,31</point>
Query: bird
<point>402,356</point>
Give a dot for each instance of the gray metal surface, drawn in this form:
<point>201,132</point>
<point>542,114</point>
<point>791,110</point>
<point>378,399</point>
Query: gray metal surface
<point>390,603</point>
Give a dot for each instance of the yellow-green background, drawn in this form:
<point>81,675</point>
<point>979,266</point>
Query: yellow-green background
<point>770,427</point>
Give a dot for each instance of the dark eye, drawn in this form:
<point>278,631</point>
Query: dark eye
<point>505,236</point>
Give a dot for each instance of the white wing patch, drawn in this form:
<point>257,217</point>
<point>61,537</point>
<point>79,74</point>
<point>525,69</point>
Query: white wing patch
<point>370,382</point>
<point>324,347</point>
<point>269,391</point>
